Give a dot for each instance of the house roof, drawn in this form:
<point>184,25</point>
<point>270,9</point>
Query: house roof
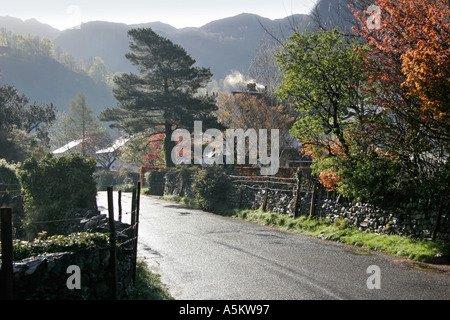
<point>72,144</point>
<point>116,145</point>
<point>67,147</point>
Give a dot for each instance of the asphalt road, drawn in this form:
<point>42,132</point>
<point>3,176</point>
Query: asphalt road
<point>202,256</point>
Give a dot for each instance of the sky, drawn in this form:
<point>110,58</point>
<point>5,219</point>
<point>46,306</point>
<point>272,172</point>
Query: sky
<point>63,14</point>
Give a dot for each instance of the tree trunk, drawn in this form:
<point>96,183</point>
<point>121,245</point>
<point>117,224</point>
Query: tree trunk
<point>168,145</point>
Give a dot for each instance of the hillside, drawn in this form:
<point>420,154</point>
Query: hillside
<point>30,26</point>
<point>45,80</point>
<point>224,45</point>
<point>332,13</point>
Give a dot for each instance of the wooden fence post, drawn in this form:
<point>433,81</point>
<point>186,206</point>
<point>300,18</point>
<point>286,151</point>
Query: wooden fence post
<point>133,207</point>
<point>7,254</point>
<point>112,243</point>
<point>313,198</point>
<point>297,193</point>
<point>136,228</point>
<point>266,195</point>
<point>119,200</point>
<point>138,200</point>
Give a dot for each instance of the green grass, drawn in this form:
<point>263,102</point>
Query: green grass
<point>190,202</point>
<point>405,247</point>
<point>148,285</point>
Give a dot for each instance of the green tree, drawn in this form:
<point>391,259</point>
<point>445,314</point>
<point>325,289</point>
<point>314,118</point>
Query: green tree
<point>323,77</point>
<point>80,122</point>
<point>26,45</point>
<point>163,94</point>
<point>99,71</point>
<point>23,126</point>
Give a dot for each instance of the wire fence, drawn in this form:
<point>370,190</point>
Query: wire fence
<point>304,181</point>
<point>7,249</point>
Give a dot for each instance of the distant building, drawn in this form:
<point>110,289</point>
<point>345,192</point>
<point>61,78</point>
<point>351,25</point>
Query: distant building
<point>251,89</point>
<point>71,147</point>
<point>291,155</point>
<point>105,157</point>
<point>116,145</point>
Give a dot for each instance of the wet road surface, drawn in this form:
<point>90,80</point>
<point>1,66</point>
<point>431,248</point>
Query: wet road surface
<point>202,256</point>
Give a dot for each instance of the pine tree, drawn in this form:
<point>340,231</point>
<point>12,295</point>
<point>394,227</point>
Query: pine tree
<point>163,95</point>
<point>81,121</point>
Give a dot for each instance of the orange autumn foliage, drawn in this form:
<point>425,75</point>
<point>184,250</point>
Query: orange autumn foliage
<point>329,179</point>
<point>413,43</point>
<point>426,64</point>
<point>247,111</point>
<point>328,176</point>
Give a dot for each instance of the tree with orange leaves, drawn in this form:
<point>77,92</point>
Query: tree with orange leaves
<point>408,64</point>
<point>245,111</point>
<point>412,44</point>
<point>367,133</point>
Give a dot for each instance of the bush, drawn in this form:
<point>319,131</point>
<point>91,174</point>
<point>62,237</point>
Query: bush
<point>211,185</point>
<point>374,179</point>
<point>10,194</point>
<point>103,179</point>
<point>59,243</point>
<point>121,180</point>
<point>54,187</point>
<point>155,181</point>
<point>9,177</point>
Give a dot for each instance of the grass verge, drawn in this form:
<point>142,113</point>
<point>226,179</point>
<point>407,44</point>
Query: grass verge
<point>190,202</point>
<point>404,247</point>
<point>148,285</point>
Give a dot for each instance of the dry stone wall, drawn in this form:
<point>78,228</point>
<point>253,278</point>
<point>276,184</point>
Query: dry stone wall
<point>45,276</point>
<point>406,220</point>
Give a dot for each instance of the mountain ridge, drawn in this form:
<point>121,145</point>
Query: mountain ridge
<point>20,26</point>
<point>29,26</point>
<point>225,45</point>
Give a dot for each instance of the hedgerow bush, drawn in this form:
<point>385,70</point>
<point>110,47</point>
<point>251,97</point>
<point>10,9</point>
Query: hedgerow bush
<point>9,177</point>
<point>59,243</point>
<point>103,179</point>
<point>373,179</point>
<point>54,187</point>
<point>154,180</point>
<point>211,185</point>
<point>121,180</point>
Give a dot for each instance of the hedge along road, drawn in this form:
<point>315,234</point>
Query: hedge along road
<point>202,256</point>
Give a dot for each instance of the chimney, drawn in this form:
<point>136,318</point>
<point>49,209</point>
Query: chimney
<point>251,87</point>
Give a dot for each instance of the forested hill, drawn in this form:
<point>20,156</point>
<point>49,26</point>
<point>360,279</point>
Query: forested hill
<point>224,45</point>
<point>45,80</point>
